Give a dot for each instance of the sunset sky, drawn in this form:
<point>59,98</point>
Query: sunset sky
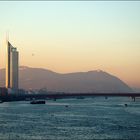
<point>68,36</point>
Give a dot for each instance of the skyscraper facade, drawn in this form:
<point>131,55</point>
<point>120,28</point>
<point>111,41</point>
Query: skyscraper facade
<point>11,67</point>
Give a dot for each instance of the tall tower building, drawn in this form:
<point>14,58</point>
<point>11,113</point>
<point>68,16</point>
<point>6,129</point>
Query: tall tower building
<point>11,67</point>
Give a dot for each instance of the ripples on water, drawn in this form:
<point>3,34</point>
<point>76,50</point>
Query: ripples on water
<point>83,119</point>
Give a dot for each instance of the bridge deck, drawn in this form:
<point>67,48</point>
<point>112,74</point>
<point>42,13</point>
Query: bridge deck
<point>18,97</point>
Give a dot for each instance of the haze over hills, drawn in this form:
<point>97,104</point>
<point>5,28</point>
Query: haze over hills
<point>91,81</point>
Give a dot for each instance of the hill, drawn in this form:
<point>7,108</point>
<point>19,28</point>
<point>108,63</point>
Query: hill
<point>91,81</point>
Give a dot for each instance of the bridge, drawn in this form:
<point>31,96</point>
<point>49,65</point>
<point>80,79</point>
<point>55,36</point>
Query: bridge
<point>59,95</point>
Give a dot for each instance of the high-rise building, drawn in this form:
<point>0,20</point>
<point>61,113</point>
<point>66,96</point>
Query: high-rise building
<point>11,67</point>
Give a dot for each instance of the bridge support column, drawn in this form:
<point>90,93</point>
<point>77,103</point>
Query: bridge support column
<point>134,98</point>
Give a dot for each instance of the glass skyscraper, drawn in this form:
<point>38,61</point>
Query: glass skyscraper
<point>11,67</point>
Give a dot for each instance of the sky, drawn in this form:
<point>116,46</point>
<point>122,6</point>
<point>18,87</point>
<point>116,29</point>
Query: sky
<point>72,36</point>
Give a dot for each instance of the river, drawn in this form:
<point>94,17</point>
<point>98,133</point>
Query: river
<point>71,119</point>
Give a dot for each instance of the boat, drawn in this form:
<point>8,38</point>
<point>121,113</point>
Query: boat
<point>125,105</point>
<point>38,102</point>
<point>66,106</point>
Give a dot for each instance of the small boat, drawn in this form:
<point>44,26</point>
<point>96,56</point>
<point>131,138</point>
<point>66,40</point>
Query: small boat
<point>125,105</point>
<point>66,106</point>
<point>37,102</point>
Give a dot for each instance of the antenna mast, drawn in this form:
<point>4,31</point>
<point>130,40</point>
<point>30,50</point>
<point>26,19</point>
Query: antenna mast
<point>7,36</point>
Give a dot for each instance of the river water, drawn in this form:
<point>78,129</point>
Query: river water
<point>71,119</point>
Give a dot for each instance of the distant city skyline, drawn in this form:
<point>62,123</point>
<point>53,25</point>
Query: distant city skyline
<point>68,36</point>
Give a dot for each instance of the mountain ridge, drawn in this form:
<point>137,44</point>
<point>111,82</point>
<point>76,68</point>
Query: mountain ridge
<point>91,81</point>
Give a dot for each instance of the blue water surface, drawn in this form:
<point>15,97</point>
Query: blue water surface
<point>71,119</point>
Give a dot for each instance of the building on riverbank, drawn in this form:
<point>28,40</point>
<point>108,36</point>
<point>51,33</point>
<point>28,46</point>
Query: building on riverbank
<point>11,67</point>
